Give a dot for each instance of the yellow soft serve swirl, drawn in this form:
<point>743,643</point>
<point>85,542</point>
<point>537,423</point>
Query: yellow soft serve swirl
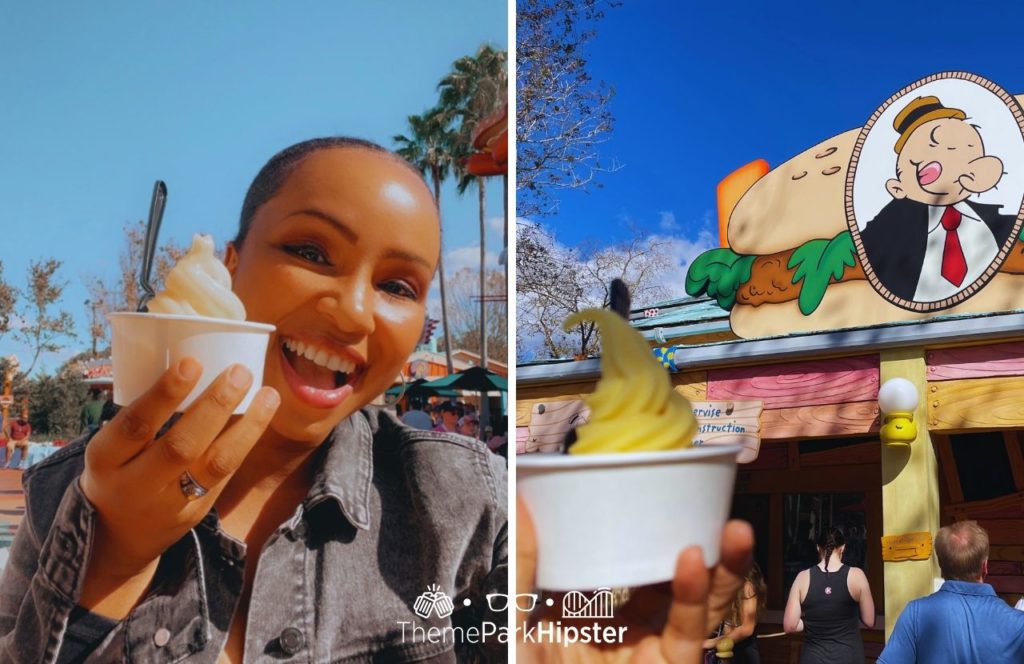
<point>634,408</point>
<point>199,285</point>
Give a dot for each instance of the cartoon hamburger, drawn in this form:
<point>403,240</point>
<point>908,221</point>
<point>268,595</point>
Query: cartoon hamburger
<point>791,263</point>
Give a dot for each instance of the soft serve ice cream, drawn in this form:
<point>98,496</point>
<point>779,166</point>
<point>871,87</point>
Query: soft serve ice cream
<point>199,285</point>
<point>196,315</point>
<point>610,513</point>
<point>634,408</point>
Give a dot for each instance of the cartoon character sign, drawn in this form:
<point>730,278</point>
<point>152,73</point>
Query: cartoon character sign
<point>935,190</point>
<point>913,216</point>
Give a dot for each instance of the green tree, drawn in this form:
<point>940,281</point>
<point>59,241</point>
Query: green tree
<point>43,330</point>
<point>55,404</point>
<point>8,298</point>
<point>430,148</point>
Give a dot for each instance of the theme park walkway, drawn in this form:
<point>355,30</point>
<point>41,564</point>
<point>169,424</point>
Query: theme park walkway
<point>12,507</point>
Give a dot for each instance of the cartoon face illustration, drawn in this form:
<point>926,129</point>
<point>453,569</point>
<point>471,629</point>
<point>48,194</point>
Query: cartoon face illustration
<point>932,242</point>
<point>941,157</point>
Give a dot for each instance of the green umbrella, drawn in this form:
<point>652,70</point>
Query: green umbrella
<point>419,388</point>
<point>474,379</point>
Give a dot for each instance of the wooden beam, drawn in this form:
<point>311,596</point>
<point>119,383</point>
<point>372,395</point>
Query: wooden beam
<point>976,361</point>
<point>1010,506</point>
<point>944,449</point>
<point>910,491</point>
<point>793,455</point>
<point>691,384</point>
<point>1007,553</point>
<point>844,455</point>
<point>873,560</point>
<point>794,384</point>
<point>1006,584</point>
<point>1004,568</point>
<point>979,403</point>
<point>1016,456</point>
<point>775,549</point>
<point>825,421</point>
<point>845,479</point>
<point>1003,532</point>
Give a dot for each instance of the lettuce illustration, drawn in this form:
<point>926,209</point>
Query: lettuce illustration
<point>818,263</point>
<point>719,273</point>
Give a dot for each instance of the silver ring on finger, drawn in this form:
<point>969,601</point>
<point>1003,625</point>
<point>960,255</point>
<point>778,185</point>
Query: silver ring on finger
<point>191,489</point>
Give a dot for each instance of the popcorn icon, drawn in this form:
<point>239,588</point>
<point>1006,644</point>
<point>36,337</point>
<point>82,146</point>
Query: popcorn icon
<point>434,600</point>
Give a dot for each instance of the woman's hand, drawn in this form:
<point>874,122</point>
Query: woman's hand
<point>133,479</point>
<point>660,629</point>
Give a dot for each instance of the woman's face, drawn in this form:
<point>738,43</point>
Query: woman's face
<point>340,261</point>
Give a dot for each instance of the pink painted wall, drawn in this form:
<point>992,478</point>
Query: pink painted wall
<point>838,380</point>
<point>976,362</point>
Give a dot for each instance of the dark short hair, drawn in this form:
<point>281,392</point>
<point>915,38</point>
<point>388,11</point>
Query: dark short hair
<point>268,181</point>
<point>962,550</point>
<point>449,407</point>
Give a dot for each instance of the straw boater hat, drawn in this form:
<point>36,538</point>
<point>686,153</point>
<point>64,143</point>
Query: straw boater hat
<point>919,111</point>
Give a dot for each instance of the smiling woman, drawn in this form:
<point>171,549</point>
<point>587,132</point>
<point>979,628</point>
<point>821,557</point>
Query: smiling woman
<point>323,520</point>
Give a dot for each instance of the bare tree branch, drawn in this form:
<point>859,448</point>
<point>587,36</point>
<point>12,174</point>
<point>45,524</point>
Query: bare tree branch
<point>562,114</point>
<point>553,281</point>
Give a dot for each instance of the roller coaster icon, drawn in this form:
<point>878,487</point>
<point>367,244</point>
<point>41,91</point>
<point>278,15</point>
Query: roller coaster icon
<point>577,605</point>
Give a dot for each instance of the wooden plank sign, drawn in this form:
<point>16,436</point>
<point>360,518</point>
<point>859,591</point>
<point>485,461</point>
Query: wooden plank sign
<point>551,421</point>
<point>795,384</point>
<point>910,546</point>
<point>728,422</point>
<point>976,361</point>
<point>718,423</point>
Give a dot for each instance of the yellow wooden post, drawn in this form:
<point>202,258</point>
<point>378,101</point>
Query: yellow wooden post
<point>910,491</point>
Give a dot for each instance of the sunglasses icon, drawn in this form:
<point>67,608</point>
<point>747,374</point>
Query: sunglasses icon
<point>523,602</point>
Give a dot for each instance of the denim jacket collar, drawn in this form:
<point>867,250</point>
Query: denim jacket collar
<point>346,471</point>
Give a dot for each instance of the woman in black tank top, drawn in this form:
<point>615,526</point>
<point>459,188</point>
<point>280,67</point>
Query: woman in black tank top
<point>828,603</point>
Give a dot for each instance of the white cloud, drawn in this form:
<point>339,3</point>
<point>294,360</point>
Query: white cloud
<point>667,221</point>
<point>683,251</point>
<point>461,257</point>
<point>455,260</point>
<point>496,225</point>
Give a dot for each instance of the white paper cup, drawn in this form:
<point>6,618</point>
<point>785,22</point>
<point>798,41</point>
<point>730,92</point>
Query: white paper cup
<point>145,345</point>
<point>609,520</point>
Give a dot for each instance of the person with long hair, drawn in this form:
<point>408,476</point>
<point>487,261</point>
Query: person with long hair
<point>314,526</point>
<point>828,603</point>
<point>740,623</point>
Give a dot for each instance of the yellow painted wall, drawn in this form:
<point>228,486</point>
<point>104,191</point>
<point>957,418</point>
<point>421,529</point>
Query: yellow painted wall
<point>910,491</point>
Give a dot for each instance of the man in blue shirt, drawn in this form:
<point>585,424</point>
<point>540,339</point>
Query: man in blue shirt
<point>965,622</point>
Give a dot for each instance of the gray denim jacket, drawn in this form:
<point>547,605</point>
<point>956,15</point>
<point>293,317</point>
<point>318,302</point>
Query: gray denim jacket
<point>393,513</point>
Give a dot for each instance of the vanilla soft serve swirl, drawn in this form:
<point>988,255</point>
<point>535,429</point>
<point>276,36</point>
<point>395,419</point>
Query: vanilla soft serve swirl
<point>634,408</point>
<point>199,285</point>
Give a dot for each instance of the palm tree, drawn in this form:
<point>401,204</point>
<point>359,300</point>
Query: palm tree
<point>476,87</point>
<point>429,148</point>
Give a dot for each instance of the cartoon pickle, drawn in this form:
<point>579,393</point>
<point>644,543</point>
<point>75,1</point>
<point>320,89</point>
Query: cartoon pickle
<point>930,242</point>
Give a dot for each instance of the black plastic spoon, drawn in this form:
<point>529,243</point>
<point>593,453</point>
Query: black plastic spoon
<point>156,215</point>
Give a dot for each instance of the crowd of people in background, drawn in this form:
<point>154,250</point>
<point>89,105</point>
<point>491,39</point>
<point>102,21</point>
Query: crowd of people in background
<point>451,416</point>
<point>456,417</point>
<point>15,431</point>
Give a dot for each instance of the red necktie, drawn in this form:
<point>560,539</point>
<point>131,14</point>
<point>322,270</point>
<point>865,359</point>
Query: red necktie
<point>954,266</point>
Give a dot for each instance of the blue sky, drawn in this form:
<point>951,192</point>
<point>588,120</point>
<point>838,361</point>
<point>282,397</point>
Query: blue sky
<point>101,100</point>
<point>703,88</point>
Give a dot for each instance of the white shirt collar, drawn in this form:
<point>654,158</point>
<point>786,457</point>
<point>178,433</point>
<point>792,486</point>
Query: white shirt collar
<point>935,214</point>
